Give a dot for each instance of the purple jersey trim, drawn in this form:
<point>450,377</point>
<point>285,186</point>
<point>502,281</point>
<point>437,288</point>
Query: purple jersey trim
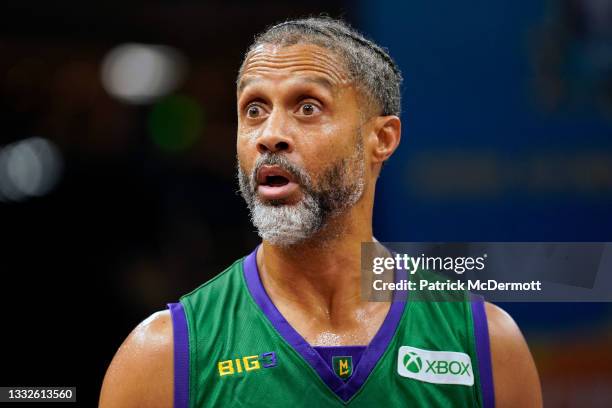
<point>181,355</point>
<point>483,350</point>
<point>369,359</point>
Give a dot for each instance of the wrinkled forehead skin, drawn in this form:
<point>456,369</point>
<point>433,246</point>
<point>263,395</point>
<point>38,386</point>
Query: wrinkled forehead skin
<point>310,61</point>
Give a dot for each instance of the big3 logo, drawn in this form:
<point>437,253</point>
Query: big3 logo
<point>247,363</point>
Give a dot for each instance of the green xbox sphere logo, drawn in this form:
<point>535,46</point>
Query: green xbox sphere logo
<point>413,362</point>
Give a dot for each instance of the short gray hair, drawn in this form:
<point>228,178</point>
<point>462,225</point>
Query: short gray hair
<point>370,67</point>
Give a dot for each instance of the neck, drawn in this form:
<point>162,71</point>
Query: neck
<point>321,275</point>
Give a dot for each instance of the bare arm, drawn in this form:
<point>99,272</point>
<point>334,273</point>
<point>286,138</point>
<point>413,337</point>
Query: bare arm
<point>141,373</point>
<point>515,377</point>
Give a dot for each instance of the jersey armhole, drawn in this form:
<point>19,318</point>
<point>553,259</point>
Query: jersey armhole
<point>181,355</point>
<point>483,350</point>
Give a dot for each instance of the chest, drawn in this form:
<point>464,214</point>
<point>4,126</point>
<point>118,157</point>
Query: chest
<point>348,327</point>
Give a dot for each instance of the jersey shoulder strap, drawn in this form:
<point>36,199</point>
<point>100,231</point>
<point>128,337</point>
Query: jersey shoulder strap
<point>195,313</point>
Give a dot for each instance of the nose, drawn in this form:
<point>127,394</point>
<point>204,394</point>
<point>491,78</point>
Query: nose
<point>274,137</point>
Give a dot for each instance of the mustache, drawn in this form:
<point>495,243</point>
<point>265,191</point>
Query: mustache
<point>300,176</point>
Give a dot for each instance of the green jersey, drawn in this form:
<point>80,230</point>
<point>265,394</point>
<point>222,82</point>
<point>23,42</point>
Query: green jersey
<point>232,347</point>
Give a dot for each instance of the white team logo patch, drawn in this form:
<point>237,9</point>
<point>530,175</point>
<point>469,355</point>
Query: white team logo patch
<point>437,367</point>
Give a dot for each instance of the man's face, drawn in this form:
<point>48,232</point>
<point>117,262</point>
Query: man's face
<point>300,148</point>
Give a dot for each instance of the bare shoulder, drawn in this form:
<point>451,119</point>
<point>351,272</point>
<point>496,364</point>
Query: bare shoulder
<point>515,376</point>
<point>141,373</point>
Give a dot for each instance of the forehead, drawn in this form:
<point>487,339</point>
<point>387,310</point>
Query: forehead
<point>300,61</point>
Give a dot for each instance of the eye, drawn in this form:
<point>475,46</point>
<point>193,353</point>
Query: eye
<point>308,109</point>
<point>253,111</point>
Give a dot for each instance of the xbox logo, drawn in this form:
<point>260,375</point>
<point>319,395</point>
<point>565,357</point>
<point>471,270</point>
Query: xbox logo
<point>435,366</point>
<point>413,362</point>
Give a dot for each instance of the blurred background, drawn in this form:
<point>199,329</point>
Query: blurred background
<point>117,150</point>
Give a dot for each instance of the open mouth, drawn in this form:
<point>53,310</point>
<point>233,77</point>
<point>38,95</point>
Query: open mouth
<point>275,183</point>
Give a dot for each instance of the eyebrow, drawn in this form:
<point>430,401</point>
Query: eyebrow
<point>243,83</point>
<point>311,78</point>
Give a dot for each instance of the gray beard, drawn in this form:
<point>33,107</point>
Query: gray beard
<point>340,188</point>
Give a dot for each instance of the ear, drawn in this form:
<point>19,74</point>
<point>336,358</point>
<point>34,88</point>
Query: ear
<point>387,133</point>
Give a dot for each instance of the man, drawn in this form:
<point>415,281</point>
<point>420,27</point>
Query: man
<point>318,109</point>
